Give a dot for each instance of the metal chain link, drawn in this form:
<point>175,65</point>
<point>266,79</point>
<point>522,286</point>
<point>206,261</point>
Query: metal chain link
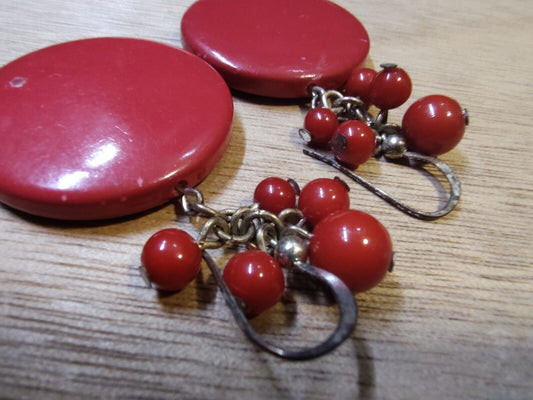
<point>346,107</point>
<point>247,225</point>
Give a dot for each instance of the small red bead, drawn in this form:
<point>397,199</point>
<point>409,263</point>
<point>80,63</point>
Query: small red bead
<point>321,197</point>
<point>275,195</point>
<point>171,258</point>
<point>255,278</point>
<point>354,143</point>
<point>321,124</point>
<point>354,246</point>
<point>359,82</point>
<point>433,125</point>
<point>390,88</point>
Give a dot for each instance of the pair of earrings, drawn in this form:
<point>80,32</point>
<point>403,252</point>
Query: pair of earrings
<point>346,250</point>
<point>104,138</point>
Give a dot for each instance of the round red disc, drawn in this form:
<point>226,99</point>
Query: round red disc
<point>276,48</point>
<point>101,128</point>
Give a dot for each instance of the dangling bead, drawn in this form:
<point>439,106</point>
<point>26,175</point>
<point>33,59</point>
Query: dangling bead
<point>390,88</point>
<point>354,246</point>
<point>321,123</point>
<point>359,82</point>
<point>433,125</point>
<point>275,195</point>
<point>171,259</point>
<point>321,197</point>
<point>256,279</point>
<point>354,143</point>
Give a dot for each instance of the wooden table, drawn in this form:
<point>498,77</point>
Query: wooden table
<point>453,320</point>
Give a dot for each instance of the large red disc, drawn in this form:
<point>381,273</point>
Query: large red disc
<point>101,128</point>
<point>276,48</point>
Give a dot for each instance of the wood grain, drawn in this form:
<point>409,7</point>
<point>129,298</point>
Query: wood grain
<point>453,321</point>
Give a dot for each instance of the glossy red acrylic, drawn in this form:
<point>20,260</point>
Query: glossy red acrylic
<point>354,143</point>
<point>359,83</point>
<point>275,195</point>
<point>101,128</point>
<point>321,197</point>
<point>433,125</point>
<point>256,279</point>
<point>276,48</point>
<point>171,259</point>
<point>390,88</point>
<point>321,123</point>
<point>354,246</point>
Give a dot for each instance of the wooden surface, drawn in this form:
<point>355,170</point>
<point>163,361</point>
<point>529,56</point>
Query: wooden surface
<point>455,318</point>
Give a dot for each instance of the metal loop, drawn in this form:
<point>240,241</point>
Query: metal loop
<point>295,229</point>
<point>192,203</point>
<point>317,96</point>
<point>226,236</point>
<point>330,97</point>
<point>285,215</point>
<point>346,107</point>
<point>263,216</point>
<point>341,293</point>
<point>453,195</point>
<point>266,238</point>
<point>345,101</point>
<point>237,223</point>
<point>213,226</point>
<point>325,98</point>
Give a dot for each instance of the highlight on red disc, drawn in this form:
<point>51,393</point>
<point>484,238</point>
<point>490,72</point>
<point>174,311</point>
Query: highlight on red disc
<point>107,127</point>
<point>276,48</point>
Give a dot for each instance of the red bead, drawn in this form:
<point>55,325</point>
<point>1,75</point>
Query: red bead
<point>321,124</point>
<point>275,195</point>
<point>390,88</point>
<point>321,197</point>
<point>359,82</point>
<point>354,246</point>
<point>171,258</point>
<point>255,278</point>
<point>354,143</point>
<point>433,125</point>
<point>93,129</point>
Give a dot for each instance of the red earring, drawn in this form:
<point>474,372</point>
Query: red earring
<point>346,250</point>
<point>298,59</point>
<point>433,125</point>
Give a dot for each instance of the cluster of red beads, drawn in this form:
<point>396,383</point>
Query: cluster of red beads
<point>433,125</point>
<point>317,199</point>
<point>352,142</point>
<point>350,244</point>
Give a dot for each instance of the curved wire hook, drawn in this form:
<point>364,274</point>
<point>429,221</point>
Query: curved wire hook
<point>453,198</point>
<point>343,297</point>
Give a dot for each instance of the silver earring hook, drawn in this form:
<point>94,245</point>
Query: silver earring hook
<point>453,195</point>
<point>389,143</point>
<point>287,243</point>
<point>343,296</point>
